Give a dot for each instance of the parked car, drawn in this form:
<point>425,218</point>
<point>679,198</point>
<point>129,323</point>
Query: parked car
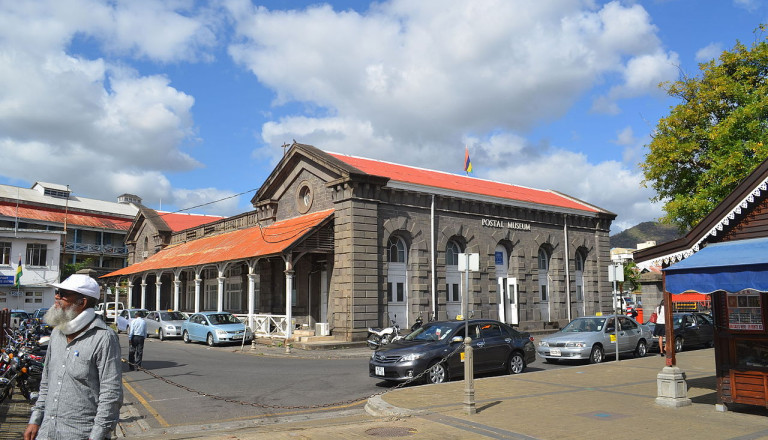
<point>165,324</point>
<point>125,318</point>
<point>215,328</point>
<point>496,347</point>
<point>592,338</point>
<point>111,309</point>
<point>38,315</point>
<point>691,329</point>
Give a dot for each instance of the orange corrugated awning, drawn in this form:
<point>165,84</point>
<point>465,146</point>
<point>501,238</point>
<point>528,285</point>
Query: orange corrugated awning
<point>235,245</point>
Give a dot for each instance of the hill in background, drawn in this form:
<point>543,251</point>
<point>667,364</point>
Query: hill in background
<point>629,238</point>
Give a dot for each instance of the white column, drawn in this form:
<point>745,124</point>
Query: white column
<point>220,305</point>
<point>129,303</point>
<point>158,289</point>
<point>143,295</point>
<point>288,299</point>
<point>252,278</point>
<point>176,286</point>
<point>197,294</point>
<point>117,299</point>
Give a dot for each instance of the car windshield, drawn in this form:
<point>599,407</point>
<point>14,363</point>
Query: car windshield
<point>585,325</point>
<point>22,315</point>
<point>434,332</point>
<point>223,318</point>
<point>172,316</point>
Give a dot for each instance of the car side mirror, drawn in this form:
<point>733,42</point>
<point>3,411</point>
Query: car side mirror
<point>457,339</point>
<point>610,329</point>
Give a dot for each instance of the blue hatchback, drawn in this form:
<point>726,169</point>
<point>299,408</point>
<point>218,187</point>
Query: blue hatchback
<point>215,328</point>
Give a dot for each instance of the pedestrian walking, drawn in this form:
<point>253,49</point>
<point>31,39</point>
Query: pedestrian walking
<point>81,389</point>
<point>137,333</point>
<point>659,329</point>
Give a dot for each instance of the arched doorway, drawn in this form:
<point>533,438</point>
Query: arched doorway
<point>508,295</point>
<point>452,280</point>
<point>397,288</point>
<point>544,304</point>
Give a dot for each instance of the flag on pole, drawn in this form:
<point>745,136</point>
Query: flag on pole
<point>467,162</point>
<point>18,274</point>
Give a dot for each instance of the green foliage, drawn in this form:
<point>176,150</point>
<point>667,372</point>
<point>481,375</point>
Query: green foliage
<point>69,269</point>
<point>714,138</point>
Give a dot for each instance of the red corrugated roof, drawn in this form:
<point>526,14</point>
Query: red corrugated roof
<point>179,221</point>
<point>25,212</point>
<point>235,245</point>
<point>455,182</point>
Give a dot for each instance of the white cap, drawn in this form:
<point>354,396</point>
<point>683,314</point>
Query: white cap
<point>80,283</point>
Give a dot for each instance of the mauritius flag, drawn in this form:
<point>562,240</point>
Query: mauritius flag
<point>18,274</point>
<point>467,162</point>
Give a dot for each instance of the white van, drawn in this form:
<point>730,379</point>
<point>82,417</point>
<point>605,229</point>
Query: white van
<point>111,311</point>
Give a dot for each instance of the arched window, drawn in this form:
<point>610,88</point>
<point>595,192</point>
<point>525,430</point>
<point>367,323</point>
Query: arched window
<point>452,278</point>
<point>145,252</point>
<point>395,250</point>
<point>544,273</point>
<point>579,274</point>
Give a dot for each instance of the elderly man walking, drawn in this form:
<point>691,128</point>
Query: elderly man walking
<point>81,389</point>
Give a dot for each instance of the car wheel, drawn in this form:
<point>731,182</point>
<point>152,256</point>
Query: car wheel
<point>160,334</point>
<point>597,355</point>
<point>642,349</point>
<point>437,373</point>
<point>185,337</point>
<point>678,344</point>
<point>515,364</point>
<point>209,340</point>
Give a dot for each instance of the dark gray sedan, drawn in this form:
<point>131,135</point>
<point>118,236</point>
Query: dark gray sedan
<point>436,351</point>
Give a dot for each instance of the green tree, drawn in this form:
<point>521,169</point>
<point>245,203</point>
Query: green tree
<point>69,269</point>
<point>714,138</point>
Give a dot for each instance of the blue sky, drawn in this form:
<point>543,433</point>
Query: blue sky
<point>187,102</point>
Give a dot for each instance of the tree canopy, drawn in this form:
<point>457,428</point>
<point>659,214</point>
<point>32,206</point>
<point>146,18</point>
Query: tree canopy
<point>714,138</point>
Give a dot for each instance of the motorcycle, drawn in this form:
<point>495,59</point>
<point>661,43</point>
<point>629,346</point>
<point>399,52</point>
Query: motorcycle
<point>379,337</point>
<point>21,364</point>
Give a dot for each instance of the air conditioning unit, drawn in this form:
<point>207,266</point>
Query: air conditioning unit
<point>322,329</point>
<point>145,254</point>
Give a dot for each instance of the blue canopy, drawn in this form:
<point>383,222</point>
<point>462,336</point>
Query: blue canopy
<point>730,266</point>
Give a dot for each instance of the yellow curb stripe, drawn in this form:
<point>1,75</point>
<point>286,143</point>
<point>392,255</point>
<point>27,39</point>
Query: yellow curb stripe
<point>146,404</point>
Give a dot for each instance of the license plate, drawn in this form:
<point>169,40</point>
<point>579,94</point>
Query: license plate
<point>554,352</point>
<point>237,337</point>
<point>379,371</point>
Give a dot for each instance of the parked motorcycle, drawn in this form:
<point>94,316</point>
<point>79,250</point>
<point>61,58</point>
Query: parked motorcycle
<point>378,337</point>
<point>21,363</point>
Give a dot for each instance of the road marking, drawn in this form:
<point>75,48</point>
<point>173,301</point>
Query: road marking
<point>146,405</point>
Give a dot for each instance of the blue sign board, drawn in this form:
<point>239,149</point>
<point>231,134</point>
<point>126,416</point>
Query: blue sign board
<point>499,258</point>
<point>7,280</point>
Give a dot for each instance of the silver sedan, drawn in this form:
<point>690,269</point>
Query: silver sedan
<point>165,324</point>
<point>594,338</point>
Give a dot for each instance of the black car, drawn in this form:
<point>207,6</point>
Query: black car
<point>691,329</point>
<point>437,347</point>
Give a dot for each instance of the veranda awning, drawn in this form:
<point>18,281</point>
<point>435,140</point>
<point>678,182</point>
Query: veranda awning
<point>731,266</point>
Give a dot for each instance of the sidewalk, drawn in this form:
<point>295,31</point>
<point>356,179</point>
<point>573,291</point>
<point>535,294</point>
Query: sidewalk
<point>586,401</point>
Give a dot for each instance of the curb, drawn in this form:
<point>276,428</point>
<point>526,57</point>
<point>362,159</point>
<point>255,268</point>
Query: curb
<point>377,407</point>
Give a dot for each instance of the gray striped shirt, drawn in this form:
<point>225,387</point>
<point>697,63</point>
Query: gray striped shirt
<point>81,391</point>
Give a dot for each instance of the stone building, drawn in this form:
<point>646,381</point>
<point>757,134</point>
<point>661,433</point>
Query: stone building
<point>351,242</point>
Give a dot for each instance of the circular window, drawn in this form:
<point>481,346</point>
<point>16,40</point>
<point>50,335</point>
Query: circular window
<point>304,197</point>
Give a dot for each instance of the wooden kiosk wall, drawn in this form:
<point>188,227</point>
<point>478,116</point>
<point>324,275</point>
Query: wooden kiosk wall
<point>741,347</point>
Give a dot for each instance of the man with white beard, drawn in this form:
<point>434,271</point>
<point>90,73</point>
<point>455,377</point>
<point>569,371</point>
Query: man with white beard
<point>81,390</point>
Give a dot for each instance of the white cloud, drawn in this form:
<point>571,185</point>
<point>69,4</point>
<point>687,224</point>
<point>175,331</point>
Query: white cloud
<point>91,123</point>
<point>710,52</point>
<point>413,82</point>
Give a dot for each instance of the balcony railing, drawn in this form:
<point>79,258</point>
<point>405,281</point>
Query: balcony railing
<point>98,249</point>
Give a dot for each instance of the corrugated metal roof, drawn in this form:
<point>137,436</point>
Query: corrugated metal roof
<point>235,245</point>
<point>38,213</point>
<point>179,221</point>
<point>13,193</point>
<point>455,182</point>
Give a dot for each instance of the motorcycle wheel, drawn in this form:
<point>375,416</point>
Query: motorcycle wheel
<point>24,390</point>
<point>6,392</point>
<point>374,342</point>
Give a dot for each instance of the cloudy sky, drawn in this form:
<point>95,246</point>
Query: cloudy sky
<point>188,102</point>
